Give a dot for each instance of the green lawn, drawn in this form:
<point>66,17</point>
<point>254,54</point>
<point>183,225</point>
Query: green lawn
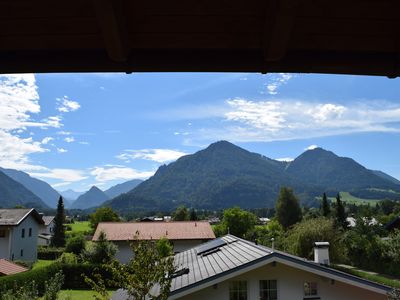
<point>80,226</point>
<point>78,294</point>
<point>350,199</point>
<point>42,263</point>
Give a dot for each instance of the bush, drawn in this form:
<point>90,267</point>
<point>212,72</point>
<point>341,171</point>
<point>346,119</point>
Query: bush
<point>76,244</point>
<point>68,258</point>
<point>53,286</point>
<point>49,253</point>
<point>74,274</point>
<point>39,276</point>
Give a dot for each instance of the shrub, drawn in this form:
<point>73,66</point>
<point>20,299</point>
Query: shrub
<point>53,286</point>
<point>49,253</point>
<point>75,273</point>
<point>39,276</point>
<point>76,244</point>
<point>68,258</point>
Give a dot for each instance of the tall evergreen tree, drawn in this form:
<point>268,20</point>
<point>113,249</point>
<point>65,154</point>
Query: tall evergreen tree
<point>325,207</point>
<point>340,217</point>
<point>193,215</point>
<point>58,239</point>
<point>288,211</point>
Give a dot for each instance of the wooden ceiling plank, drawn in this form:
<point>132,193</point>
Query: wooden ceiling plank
<point>280,31</point>
<point>110,16</point>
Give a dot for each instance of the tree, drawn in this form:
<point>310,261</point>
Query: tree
<point>102,252</point>
<point>340,216</point>
<point>103,214</point>
<point>58,239</point>
<point>238,222</point>
<point>148,267</point>
<point>303,235</point>
<point>75,244</point>
<point>325,207</point>
<point>181,214</point>
<point>193,215</point>
<point>288,211</point>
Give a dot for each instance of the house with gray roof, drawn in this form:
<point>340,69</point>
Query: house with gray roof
<point>235,269</point>
<point>46,230</point>
<point>19,234</point>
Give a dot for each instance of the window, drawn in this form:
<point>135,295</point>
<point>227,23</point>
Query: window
<point>2,233</point>
<point>310,289</point>
<point>30,232</point>
<point>268,290</point>
<point>22,252</point>
<point>23,233</point>
<point>238,290</point>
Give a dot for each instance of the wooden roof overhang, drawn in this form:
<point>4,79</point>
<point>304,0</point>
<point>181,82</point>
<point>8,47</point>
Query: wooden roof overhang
<point>310,36</point>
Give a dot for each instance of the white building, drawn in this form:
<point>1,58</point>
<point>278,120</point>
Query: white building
<point>19,234</point>
<point>183,235</point>
<point>46,231</point>
<point>230,268</point>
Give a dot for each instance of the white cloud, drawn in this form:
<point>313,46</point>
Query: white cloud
<point>62,150</point>
<point>276,81</point>
<point>67,175</point>
<point>157,155</point>
<point>66,105</point>
<point>69,139</point>
<point>56,185</point>
<point>108,173</point>
<point>287,119</point>
<point>287,159</point>
<point>84,143</point>
<point>19,99</point>
<point>311,147</point>
<point>46,140</point>
<point>64,133</point>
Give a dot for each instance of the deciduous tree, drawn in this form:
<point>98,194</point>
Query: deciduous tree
<point>103,214</point>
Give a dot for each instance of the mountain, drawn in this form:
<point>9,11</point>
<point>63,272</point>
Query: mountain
<point>40,188</point>
<point>224,175</point>
<point>121,188</point>
<point>71,194</point>
<point>386,176</point>
<point>93,197</point>
<point>219,176</point>
<point>324,168</point>
<point>13,193</point>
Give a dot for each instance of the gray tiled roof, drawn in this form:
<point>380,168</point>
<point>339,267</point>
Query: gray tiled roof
<point>12,217</point>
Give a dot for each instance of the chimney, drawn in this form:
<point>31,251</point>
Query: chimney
<point>321,253</point>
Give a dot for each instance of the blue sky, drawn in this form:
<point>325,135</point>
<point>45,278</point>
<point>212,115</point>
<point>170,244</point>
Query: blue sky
<point>79,130</point>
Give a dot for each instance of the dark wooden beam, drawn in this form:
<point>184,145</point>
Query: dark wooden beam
<point>278,28</point>
<point>110,17</point>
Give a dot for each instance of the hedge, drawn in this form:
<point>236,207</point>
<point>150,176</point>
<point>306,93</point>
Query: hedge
<point>39,275</point>
<point>73,278</point>
<point>50,253</point>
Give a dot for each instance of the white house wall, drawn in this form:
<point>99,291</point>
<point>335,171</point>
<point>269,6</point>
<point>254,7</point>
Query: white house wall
<point>4,243</point>
<point>124,252</point>
<point>290,286</point>
<point>28,244</point>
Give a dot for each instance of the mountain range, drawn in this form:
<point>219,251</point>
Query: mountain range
<point>220,176</point>
<point>13,193</point>
<point>223,175</point>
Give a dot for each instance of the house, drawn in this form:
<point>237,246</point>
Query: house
<point>352,222</point>
<point>233,268</point>
<point>182,235</point>
<point>46,231</point>
<point>9,268</point>
<point>19,233</point>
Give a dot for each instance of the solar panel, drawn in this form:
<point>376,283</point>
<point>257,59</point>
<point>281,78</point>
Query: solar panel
<point>210,246</point>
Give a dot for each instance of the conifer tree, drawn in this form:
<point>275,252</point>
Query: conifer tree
<point>340,213</point>
<point>288,211</point>
<point>58,239</point>
<point>325,207</point>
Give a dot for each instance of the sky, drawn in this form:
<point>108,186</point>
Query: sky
<point>79,130</point>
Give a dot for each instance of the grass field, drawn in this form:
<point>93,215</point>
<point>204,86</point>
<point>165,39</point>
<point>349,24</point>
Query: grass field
<point>78,294</point>
<point>80,226</point>
<point>350,199</point>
